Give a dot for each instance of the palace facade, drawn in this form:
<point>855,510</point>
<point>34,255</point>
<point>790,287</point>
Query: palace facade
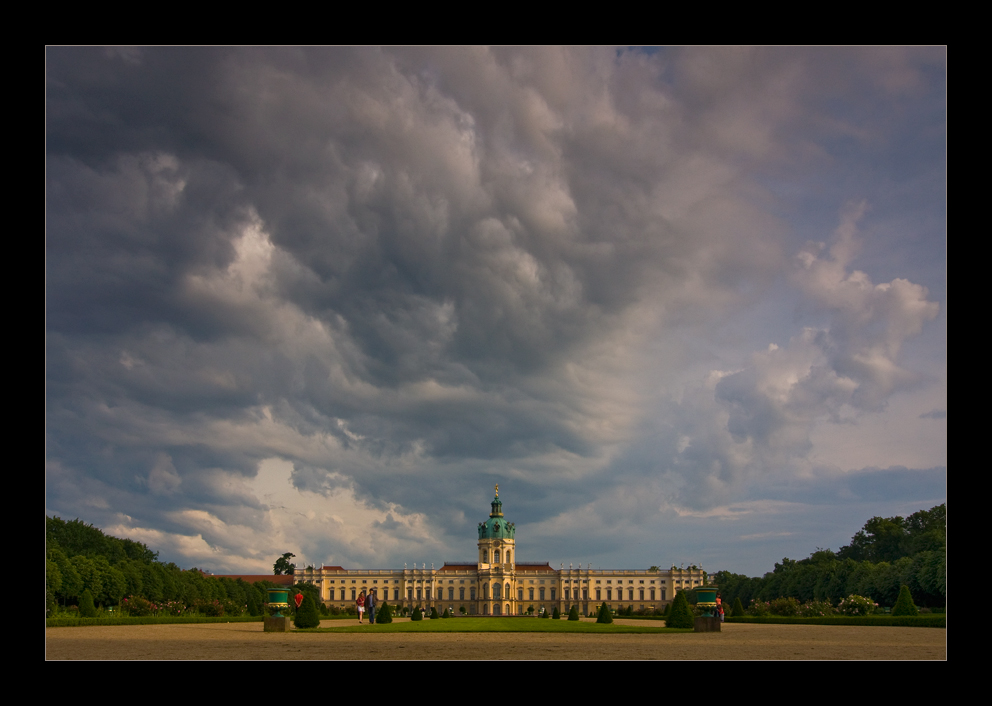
<point>497,584</point>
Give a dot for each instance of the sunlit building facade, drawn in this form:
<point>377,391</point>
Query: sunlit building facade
<point>497,584</point>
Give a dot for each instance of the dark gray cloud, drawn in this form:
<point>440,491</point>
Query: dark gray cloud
<point>385,279</point>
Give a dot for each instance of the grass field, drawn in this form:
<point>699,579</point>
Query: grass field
<point>501,625</point>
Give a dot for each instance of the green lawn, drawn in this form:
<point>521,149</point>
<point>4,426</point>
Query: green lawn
<point>500,625</point>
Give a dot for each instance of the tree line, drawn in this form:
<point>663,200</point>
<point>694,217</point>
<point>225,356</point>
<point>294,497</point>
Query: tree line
<point>886,553</point>
<point>80,558</point>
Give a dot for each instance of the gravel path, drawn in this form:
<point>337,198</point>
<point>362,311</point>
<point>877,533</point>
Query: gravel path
<point>248,641</point>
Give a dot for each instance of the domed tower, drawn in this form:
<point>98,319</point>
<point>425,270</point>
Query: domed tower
<point>497,575</point>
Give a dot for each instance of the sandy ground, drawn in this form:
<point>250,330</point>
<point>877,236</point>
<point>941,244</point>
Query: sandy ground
<point>248,641</point>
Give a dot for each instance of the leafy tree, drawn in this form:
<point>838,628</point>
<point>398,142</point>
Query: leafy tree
<point>86,607</point>
<point>283,567</point>
<point>307,616</point>
<point>680,615</point>
<point>904,603</point>
<point>604,615</point>
<point>573,614</point>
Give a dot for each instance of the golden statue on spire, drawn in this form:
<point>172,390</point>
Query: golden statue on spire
<point>497,490</point>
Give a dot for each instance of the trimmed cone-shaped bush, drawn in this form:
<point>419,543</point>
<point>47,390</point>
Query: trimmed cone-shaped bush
<point>738,609</point>
<point>86,607</point>
<point>604,615</point>
<point>904,603</point>
<point>445,614</point>
<point>384,614</point>
<point>417,614</point>
<point>574,613</point>
<point>434,615</point>
<point>556,615</point>
<point>307,616</point>
<point>680,615</point>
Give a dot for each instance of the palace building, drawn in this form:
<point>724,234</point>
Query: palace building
<point>497,584</point>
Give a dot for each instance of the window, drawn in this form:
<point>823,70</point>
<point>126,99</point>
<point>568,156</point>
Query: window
<point>485,556</point>
<point>542,593</point>
<point>471,594</point>
<point>496,556</point>
<point>530,593</point>
<point>451,593</point>
<point>598,597</point>
<point>461,594</point>
<point>642,594</point>
<point>585,594</point>
<point>609,594</point>
<point>496,591</point>
<point>353,596</point>
<point>552,594</point>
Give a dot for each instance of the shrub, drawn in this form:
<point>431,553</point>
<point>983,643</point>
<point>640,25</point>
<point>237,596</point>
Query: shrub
<point>557,614</point>
<point>738,609</point>
<point>680,614</point>
<point>784,606</point>
<point>445,614</point>
<point>417,614</point>
<point>434,615</point>
<point>758,607</point>
<point>86,607</point>
<point>138,606</point>
<point>856,605</point>
<point>573,614</point>
<point>904,603</point>
<point>816,609</point>
<point>307,616</point>
<point>384,614</point>
<point>604,615</point>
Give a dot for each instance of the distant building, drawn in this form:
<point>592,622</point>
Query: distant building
<point>497,584</point>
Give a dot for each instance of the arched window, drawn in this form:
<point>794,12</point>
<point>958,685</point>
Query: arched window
<point>496,593</point>
<point>507,588</point>
<point>485,556</point>
<point>496,556</point>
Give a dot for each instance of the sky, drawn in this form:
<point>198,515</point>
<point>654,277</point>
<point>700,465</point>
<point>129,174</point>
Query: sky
<point>685,306</point>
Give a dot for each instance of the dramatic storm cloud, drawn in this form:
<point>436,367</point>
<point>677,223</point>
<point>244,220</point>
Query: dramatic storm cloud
<point>683,305</point>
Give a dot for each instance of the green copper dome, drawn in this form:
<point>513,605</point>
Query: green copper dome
<point>496,527</point>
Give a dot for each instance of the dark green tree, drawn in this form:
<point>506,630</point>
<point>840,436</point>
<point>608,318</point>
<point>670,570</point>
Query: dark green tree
<point>557,614</point>
<point>604,615</point>
<point>283,565</point>
<point>384,614</point>
<point>738,609</point>
<point>307,616</point>
<point>86,607</point>
<point>904,603</point>
<point>680,615</point>
<point>417,614</point>
<point>434,615</point>
<point>445,614</point>
<point>573,614</point>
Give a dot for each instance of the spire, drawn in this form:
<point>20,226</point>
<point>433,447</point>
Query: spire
<point>497,507</point>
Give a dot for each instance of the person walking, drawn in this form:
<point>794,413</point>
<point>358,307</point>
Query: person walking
<point>370,603</point>
<point>360,603</point>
